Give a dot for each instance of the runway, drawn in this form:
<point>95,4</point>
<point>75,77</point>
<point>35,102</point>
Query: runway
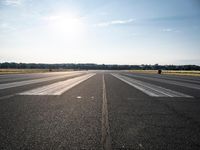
<point>99,110</point>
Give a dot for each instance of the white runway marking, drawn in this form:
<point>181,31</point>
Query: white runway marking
<point>150,89</point>
<point>7,96</point>
<point>27,82</point>
<point>163,80</point>
<point>59,87</point>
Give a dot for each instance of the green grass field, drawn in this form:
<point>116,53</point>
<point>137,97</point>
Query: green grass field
<point>23,71</point>
<point>172,72</point>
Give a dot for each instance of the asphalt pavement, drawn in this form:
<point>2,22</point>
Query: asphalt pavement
<point>99,110</point>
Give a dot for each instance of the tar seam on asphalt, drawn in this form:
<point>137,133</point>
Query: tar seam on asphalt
<point>105,139</point>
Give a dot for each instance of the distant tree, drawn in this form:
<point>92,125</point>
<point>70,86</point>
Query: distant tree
<point>96,66</point>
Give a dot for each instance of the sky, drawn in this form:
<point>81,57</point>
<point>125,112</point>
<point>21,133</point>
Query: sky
<point>100,31</point>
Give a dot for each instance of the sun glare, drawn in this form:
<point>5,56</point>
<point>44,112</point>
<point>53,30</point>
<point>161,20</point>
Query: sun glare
<point>66,24</point>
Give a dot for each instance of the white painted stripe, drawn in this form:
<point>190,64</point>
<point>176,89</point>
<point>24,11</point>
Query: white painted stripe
<point>7,96</point>
<point>59,87</point>
<point>188,85</point>
<point>27,82</point>
<point>150,89</point>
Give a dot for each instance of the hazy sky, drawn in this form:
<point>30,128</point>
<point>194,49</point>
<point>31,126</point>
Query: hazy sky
<point>100,31</point>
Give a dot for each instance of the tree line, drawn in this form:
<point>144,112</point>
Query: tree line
<point>90,66</point>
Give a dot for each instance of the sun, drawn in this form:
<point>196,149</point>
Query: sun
<point>65,23</point>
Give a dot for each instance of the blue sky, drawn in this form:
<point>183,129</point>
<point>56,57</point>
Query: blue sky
<point>103,31</point>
